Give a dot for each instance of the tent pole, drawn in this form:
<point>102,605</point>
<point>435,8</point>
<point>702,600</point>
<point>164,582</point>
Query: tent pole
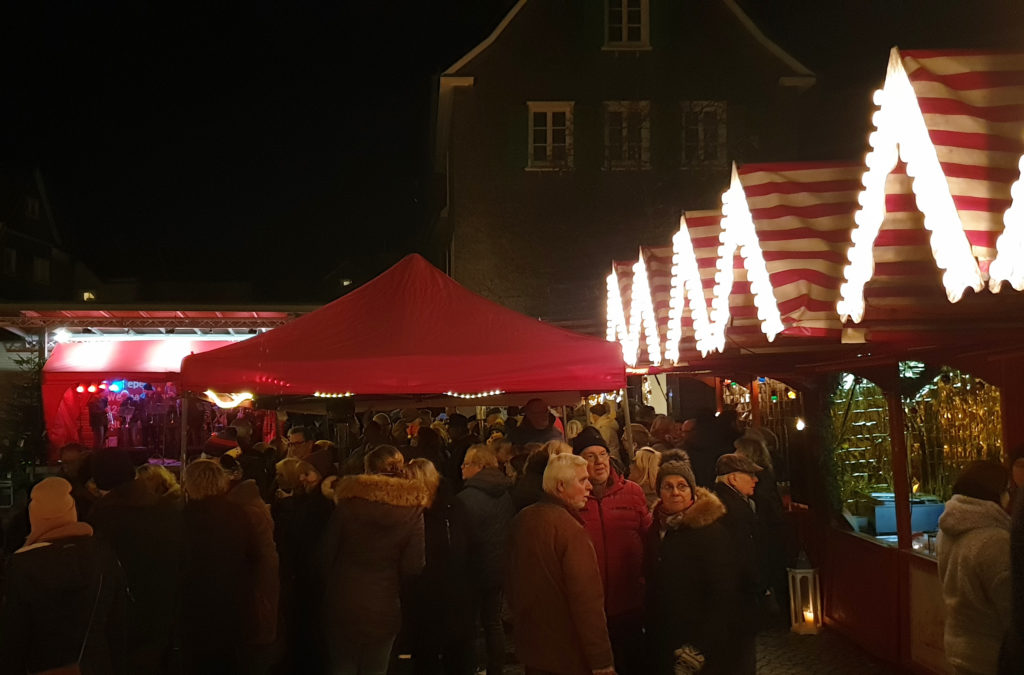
<point>184,435</point>
<point>627,435</point>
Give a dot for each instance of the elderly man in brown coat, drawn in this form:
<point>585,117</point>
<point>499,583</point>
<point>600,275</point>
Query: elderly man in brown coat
<point>555,587</point>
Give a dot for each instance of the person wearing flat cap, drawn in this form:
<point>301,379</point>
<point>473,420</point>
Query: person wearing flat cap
<point>737,476</point>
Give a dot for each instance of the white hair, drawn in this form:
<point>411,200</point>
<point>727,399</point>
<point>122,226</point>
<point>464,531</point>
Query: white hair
<point>561,469</point>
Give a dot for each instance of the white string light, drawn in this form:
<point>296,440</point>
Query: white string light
<point>480,395</point>
<point>738,233</point>
<point>1009,262</point>
<point>642,311</point>
<point>325,394</point>
<point>901,133</point>
<point>687,289</point>
<point>618,328</point>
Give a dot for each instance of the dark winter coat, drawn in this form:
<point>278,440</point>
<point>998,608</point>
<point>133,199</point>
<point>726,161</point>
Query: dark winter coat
<point>145,533</point>
<point>691,585</point>
<point>264,594</point>
<point>52,588</point>
<point>741,522</point>
<point>770,535</point>
<point>529,489</point>
<point>489,510</point>
<point>374,539</point>
<point>218,574</point>
<point>555,591</point>
<point>437,608</point>
<point>525,433</point>
<point>617,524</point>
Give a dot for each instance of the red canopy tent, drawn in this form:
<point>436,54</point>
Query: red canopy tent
<point>87,363</point>
<point>411,331</point>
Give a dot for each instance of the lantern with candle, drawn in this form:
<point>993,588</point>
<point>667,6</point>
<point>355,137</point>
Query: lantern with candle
<point>804,597</point>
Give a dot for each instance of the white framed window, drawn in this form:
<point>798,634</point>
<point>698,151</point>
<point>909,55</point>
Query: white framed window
<point>41,270</point>
<point>627,24</point>
<point>10,262</point>
<point>704,133</point>
<point>550,139</point>
<point>627,135</point>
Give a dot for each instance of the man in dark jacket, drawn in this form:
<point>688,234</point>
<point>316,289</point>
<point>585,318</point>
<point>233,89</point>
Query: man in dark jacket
<point>490,511</point>
<point>538,425</point>
<point>737,476</point>
<point>145,533</point>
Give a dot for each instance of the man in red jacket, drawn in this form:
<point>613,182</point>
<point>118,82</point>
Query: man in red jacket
<point>616,519</point>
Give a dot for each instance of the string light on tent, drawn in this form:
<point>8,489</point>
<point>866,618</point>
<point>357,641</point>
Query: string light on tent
<point>227,400</point>
<point>618,329</point>
<point>738,233</point>
<point>642,311</point>
<point>1009,262</point>
<point>482,394</point>
<point>687,289</point>
<point>324,394</point>
<point>901,133</point>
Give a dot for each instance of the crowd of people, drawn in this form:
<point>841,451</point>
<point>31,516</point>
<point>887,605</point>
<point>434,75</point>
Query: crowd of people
<point>431,537</point>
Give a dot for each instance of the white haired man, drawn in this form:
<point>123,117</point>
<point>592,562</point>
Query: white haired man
<point>554,586</point>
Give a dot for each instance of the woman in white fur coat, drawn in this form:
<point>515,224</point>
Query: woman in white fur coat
<point>974,566</point>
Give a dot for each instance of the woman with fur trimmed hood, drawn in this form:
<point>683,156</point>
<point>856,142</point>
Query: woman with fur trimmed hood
<point>691,575</point>
<point>373,541</point>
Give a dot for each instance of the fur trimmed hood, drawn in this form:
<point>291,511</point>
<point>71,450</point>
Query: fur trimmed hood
<point>380,489</point>
<point>706,509</point>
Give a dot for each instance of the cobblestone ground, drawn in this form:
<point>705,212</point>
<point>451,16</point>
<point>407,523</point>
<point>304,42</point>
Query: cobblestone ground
<point>781,652</point>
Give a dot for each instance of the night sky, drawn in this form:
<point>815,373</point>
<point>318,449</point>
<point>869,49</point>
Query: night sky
<point>285,138</point>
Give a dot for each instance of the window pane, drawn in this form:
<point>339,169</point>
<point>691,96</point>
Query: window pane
<point>540,153</point>
<point>709,134</point>
<point>633,5</point>
<point>633,34</point>
<point>540,119</point>
<point>540,136</point>
<point>615,18</point>
<point>558,154</point>
<point>558,136</point>
<point>558,119</point>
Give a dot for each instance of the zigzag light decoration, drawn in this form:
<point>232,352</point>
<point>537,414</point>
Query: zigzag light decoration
<point>738,233</point>
<point>1009,262</point>
<point>641,311</point>
<point>687,290</point>
<point>901,133</point>
<point>618,327</point>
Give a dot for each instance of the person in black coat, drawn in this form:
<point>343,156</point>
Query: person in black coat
<point>145,533</point>
<point>438,614</point>
<point>65,599</point>
<point>1011,655</point>
<point>301,514</point>
<point>691,573</point>
<point>490,511</point>
<point>218,572</point>
<point>737,478</point>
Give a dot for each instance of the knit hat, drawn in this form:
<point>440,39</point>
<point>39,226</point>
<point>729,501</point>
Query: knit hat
<point>733,462</point>
<point>51,506</point>
<point>112,467</point>
<point>675,463</point>
<point>321,461</point>
<point>220,442</point>
<point>589,437</point>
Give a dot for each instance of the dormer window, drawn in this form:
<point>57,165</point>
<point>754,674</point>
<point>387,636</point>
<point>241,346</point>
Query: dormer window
<point>628,24</point>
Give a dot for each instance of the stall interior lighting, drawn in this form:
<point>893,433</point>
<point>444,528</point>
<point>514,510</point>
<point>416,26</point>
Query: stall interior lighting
<point>901,133</point>
<point>687,290</point>
<point>325,394</point>
<point>738,233</point>
<point>227,400</point>
<point>1009,262</point>
<point>482,394</point>
<point>800,424</point>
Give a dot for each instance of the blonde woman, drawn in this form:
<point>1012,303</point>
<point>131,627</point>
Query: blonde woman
<point>160,482</point>
<point>644,472</point>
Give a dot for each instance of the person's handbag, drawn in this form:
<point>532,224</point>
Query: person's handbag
<point>689,660</point>
<point>76,667</point>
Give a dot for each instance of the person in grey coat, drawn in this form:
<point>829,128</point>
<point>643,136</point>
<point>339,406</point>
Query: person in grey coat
<point>490,511</point>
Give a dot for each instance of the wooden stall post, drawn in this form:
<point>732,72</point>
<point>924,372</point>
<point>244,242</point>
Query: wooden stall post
<point>627,435</point>
<point>755,403</point>
<point>184,434</point>
<point>900,482</point>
